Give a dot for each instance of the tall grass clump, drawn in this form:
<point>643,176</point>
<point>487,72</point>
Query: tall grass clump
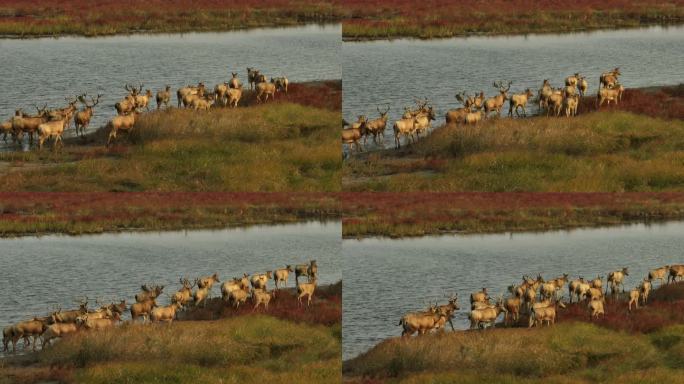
<point>607,151</point>
<point>516,352</point>
<point>377,19</point>
<point>245,348</point>
<point>276,147</point>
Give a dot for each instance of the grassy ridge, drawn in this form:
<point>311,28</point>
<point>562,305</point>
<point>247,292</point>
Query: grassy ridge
<point>214,343</point>
<point>275,147</point>
<point>23,18</point>
<point>247,349</point>
<point>425,213</point>
<point>379,19</point>
<point>87,212</point>
<point>642,347</point>
<point>636,147</point>
<point>566,353</point>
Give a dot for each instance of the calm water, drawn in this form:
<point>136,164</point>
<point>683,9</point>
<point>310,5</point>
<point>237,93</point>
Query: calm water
<point>46,70</point>
<point>40,273</point>
<point>384,279</point>
<point>382,72</point>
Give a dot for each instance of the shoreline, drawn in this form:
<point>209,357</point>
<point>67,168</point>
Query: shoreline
<point>494,34</point>
<point>153,32</point>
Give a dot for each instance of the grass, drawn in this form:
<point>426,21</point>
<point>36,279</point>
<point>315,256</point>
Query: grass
<point>23,18</point>
<point>281,146</point>
<point>96,212</point>
<point>326,308</point>
<point>632,148</point>
<point>214,344</point>
<point>572,351</point>
<point>253,348</point>
<point>426,213</point>
<point>380,19</point>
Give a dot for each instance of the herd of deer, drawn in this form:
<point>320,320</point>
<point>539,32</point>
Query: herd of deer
<point>51,124</point>
<point>234,292</point>
<point>556,101</point>
<point>539,299</point>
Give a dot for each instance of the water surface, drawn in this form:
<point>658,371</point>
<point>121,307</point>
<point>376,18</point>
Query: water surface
<point>45,70</point>
<point>384,278</point>
<point>43,272</point>
<point>378,73</point>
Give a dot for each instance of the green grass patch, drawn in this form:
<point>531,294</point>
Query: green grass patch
<point>235,350</point>
<point>611,151</point>
<point>275,147</point>
<point>569,352</point>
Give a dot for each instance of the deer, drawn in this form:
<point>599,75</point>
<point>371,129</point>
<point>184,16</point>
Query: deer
<point>120,123</point>
<point>616,279</point>
<point>281,275</point>
<point>237,297</point>
<point>457,115</point>
<point>264,90</point>
<point>306,289</point>
<point>143,309</point>
<point>234,95</point>
<point>82,118</point>
<point>183,295</point>
<point>252,76</point>
<point>546,311</point>
<point>423,119</point>
<point>281,83</point>
<point>570,104</point>
<point>163,97</point>
<point>421,322</point>
<point>22,123</point>
<point>544,93</point>
<point>405,127</point>
<point>571,81</point>
<point>377,126</point>
<point>352,135</point>
<point>260,280</point>
<point>233,285</point>
<point>675,272</point>
<point>583,86</point>
<point>519,100</point>
<point>166,314</point>
<point>66,112</point>
<point>555,103</point>
<point>481,317</point>
<point>658,274</point>
<point>609,79</point>
<point>494,104</point>
<point>143,100</point>
<point>644,290</point>
<point>234,82</point>
<point>260,296</point>
<point>52,129</point>
<point>184,94</point>
<point>148,292</point>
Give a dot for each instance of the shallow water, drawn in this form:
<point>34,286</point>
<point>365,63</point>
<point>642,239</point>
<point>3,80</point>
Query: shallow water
<point>43,272</point>
<point>384,278</point>
<point>378,73</point>
<point>46,70</point>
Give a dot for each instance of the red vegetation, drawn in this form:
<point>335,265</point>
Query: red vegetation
<point>21,212</point>
<point>665,102</point>
<point>121,16</point>
<point>326,308</point>
<point>416,213</point>
<point>665,307</point>
<point>440,18</point>
<point>318,94</point>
